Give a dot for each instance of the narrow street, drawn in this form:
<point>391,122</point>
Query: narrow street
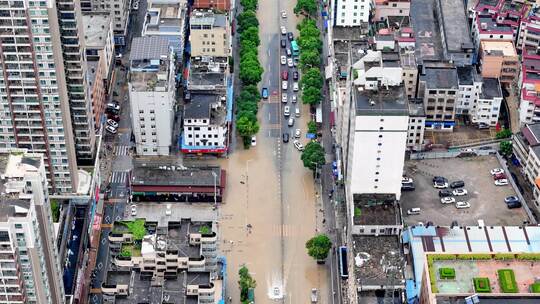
<point>269,188</point>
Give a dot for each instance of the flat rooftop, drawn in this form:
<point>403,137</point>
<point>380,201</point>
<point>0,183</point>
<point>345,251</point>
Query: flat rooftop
<point>486,299</point>
<point>440,78</point>
<point>427,30</point>
<point>491,88</point>
<point>467,75</point>
<point>152,80</point>
<point>456,26</point>
<point>96,28</point>
<point>199,18</point>
<point>371,255</point>
<point>391,101</point>
<point>206,78</point>
<point>492,26</point>
<point>498,48</point>
<point>386,214</point>
<point>149,48</point>
<point>193,176</point>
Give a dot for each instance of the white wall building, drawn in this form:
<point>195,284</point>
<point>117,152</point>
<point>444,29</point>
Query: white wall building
<point>470,88</point>
<point>152,94</point>
<point>526,145</point>
<point>489,103</point>
<point>167,18</point>
<point>352,12</point>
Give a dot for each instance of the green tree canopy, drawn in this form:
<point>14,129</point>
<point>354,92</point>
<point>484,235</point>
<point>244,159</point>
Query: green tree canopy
<point>313,155</point>
<point>251,34</point>
<point>319,246</point>
<point>306,22</point>
<point>246,101</point>
<point>505,133</point>
<point>312,78</point>
<point>252,90</point>
<point>506,148</point>
<point>309,43</point>
<point>311,95</point>
<point>307,7</point>
<point>312,127</point>
<point>245,282</point>
<point>249,4</point>
<point>310,59</point>
<point>250,71</point>
<point>246,124</point>
<point>246,20</point>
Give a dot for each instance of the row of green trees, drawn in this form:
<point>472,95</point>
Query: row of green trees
<point>310,45</point>
<point>250,72</point>
<point>246,282</point>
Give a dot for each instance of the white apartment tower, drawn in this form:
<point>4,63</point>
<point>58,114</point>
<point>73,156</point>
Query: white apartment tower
<point>152,94</point>
<point>351,12</point>
<point>34,103</point>
<point>31,271</point>
<point>119,10</point>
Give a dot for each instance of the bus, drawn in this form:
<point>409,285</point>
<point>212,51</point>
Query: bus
<point>343,269</point>
<point>294,48</point>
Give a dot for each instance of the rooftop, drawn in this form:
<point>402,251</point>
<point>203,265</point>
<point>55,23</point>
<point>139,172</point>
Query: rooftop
<point>491,89</point>
<point>467,75</point>
<point>201,18</point>
<point>384,214</point>
<point>372,255</point>
<point>486,299</point>
<point>427,31</point>
<point>391,101</point>
<point>96,28</point>
<point>208,106</point>
<point>456,25</point>
<point>498,48</point>
<point>488,24</point>
<point>440,78</point>
<point>149,48</point>
<point>175,176</point>
<point>531,132</point>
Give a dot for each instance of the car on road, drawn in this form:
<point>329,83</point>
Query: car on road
<point>253,141</point>
<point>112,123</point>
<point>511,199</point>
<point>283,60</point>
<point>286,111</point>
<point>407,187</point>
<point>296,60</point>
<point>288,52</point>
<point>114,117</point>
<point>295,86</point>
<point>285,137</point>
<point>294,98</point>
<point>440,185</point>
<point>290,36</point>
<point>133,210</point>
<point>284,85</point>
<point>283,43</point>
<point>297,133</point>
<point>463,205</point>
<point>290,62</point>
<point>295,75</point>
<point>496,171</point>
<point>283,14</point>
<point>459,192</point>
<point>483,125</point>
<point>457,184</point>
<point>499,176</point>
<point>314,295</point>
<point>406,180</point>
<point>168,211</point>
<point>111,129</point>
<point>440,179</point>
<point>284,98</point>
<point>298,145</point>
<point>284,75</point>
<point>264,93</point>
<point>283,30</point>
<point>448,200</point>
<point>136,5</point>
<point>445,193</point>
<point>414,211</point>
<point>501,182</point>
<point>290,123</point>
<point>113,106</point>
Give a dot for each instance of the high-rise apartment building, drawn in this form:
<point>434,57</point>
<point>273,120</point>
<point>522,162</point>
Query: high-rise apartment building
<point>119,10</point>
<point>34,104</point>
<point>72,38</point>
<point>352,12</point>
<point>31,271</point>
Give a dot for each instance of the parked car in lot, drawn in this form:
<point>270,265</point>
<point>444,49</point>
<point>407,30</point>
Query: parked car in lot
<point>440,179</point>
<point>133,210</point>
<point>288,52</point>
<point>499,176</point>
<point>283,14</point>
<point>295,86</point>
<point>440,185</point>
<point>459,192</point>
<point>114,117</point>
<point>294,98</point>
<point>285,137</point>
<point>298,145</point>
<point>513,205</point>
<point>511,199</point>
<point>448,200</point>
<point>406,179</point>
<point>264,93</point>
<point>501,182</point>
<point>297,133</point>
<point>463,205</point>
<point>111,129</point>
<point>457,184</point>
<point>414,211</point>
<point>407,187</point>
<point>445,193</point>
<point>112,123</point>
<point>253,141</point>
<point>496,171</point>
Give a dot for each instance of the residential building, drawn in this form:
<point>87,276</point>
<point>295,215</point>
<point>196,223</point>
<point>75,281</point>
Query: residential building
<point>427,32</point>
<point>489,103</point>
<point>470,88</point>
<point>477,252</point>
<point>208,75</point>
<point>205,124</point>
<point>31,270</point>
<point>72,39</point>
<point>529,31</point>
<point>505,12</point>
<point>220,5</point>
<point>209,34</point>
<point>417,126</point>
<point>170,182</point>
<point>485,27</point>
<point>438,87</point>
<point>119,10</point>
<point>409,70</point>
<point>152,93</point>
<point>36,113</point>
<point>526,144</point>
<point>498,59</point>
<point>349,13</point>
<point>167,18</point>
<point>529,82</point>
<point>391,8</point>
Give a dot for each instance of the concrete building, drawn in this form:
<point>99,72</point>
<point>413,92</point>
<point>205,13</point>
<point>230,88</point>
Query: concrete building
<point>529,31</point>
<point>505,12</point>
<point>417,126</point>
<point>36,112</point>
<point>349,13</point>
<point>119,10</point>
<point>205,125</point>
<point>529,106</point>
<point>485,27</point>
<point>31,270</point>
<point>389,8</point>
<point>438,87</point>
<point>220,5</point>
<point>152,93</point>
<point>470,88</point>
<point>209,34</point>
<point>498,59</point>
<point>489,103</point>
<point>208,75</point>
<point>167,18</point>
<point>526,144</point>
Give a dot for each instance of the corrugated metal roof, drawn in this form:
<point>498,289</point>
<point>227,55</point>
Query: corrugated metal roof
<point>149,48</point>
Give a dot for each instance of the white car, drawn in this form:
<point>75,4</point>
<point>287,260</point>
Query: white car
<point>112,123</point>
<point>286,111</point>
<point>496,171</point>
<point>448,200</point>
<point>459,192</point>
<point>298,145</point>
<point>133,210</point>
<point>295,86</point>
<point>439,185</point>
<point>290,62</point>
<point>253,141</point>
<point>136,5</point>
<point>294,98</point>
<point>283,30</point>
<point>501,182</point>
<point>284,98</point>
<point>113,106</point>
<point>406,180</point>
<point>283,60</point>
<point>283,14</point>
<point>168,211</point>
<point>290,123</point>
<point>284,85</point>
<point>463,205</point>
<point>297,133</point>
<point>111,129</point>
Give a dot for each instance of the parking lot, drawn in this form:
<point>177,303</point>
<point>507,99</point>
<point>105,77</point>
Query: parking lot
<point>486,199</point>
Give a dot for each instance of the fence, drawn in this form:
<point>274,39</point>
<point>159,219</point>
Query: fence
<point>451,154</point>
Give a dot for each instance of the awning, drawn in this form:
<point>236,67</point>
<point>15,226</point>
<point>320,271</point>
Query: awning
<point>332,119</point>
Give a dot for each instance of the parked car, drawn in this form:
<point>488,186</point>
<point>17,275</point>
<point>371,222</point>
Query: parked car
<point>440,185</point>
<point>496,171</point>
<point>113,106</point>
<point>283,43</point>
<point>264,93</point>
<point>499,176</point>
<point>295,86</point>
<point>253,141</point>
<point>112,123</point>
<point>297,133</point>
<point>457,184</point>
<point>483,125</point>
<point>114,117</point>
<point>133,210</point>
<point>283,30</point>
<point>290,36</point>
<point>290,123</point>
<point>284,85</point>
<point>284,98</point>
<point>513,205</point>
<point>294,98</point>
<point>459,192</point>
<point>501,182</point>
<point>440,179</point>
<point>290,62</point>
<point>111,129</point>
<point>168,211</point>
<point>283,60</point>
<point>295,75</point>
<point>414,211</point>
<point>445,193</point>
<point>284,75</point>
<point>511,199</point>
<point>283,14</point>
<point>286,111</point>
<point>448,200</point>
<point>285,137</point>
<point>298,145</point>
<point>406,179</point>
<point>463,205</point>
<point>407,187</point>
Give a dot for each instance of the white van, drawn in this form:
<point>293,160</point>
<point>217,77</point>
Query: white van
<point>413,211</point>
<point>297,112</point>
